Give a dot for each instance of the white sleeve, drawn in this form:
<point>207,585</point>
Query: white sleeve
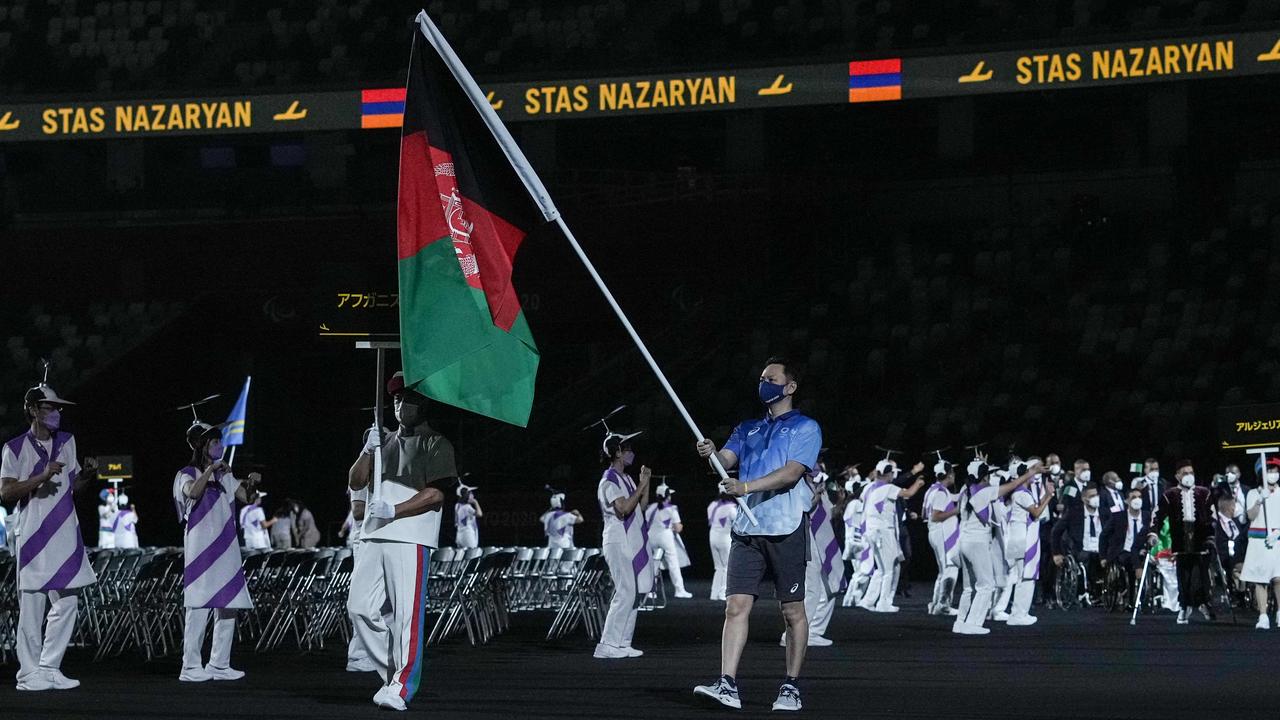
<point>611,492</point>
<point>1023,500</point>
<point>71,463</point>
<point>939,501</point>
<point>675,516</point>
<point>891,492</point>
<point>9,463</point>
<point>1253,498</point>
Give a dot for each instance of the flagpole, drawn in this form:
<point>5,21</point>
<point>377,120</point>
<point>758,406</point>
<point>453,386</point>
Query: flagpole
<point>231,460</point>
<point>533,185</point>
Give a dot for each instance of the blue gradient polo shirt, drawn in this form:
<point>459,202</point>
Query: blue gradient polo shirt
<point>764,445</point>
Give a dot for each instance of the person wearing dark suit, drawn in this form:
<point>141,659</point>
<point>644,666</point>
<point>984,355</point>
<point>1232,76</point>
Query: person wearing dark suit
<point>1079,533</point>
<point>1230,535</point>
<point>1189,510</point>
<point>1114,499</point>
<point>1155,485</point>
<point>1125,536</point>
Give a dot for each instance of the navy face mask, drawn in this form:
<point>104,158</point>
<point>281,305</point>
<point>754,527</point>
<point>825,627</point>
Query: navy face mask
<point>771,393</point>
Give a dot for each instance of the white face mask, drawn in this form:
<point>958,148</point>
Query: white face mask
<point>1054,469</point>
<point>1273,478</point>
<point>1188,480</point>
<point>1085,476</point>
<point>1118,484</point>
<point>1232,477</point>
<point>1136,503</point>
<point>1154,475</point>
<point>1093,501</point>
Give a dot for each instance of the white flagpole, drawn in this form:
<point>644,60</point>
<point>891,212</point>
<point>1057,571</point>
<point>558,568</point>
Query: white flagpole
<point>543,199</point>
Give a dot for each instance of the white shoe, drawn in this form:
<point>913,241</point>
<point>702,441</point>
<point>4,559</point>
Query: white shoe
<point>36,682</point>
<point>950,611</point>
<point>60,681</point>
<point>885,608</point>
<point>362,665</point>
<point>966,629</point>
<point>609,652</point>
<point>1022,620</point>
<point>782,642</point>
<point>385,698</point>
<point>196,674</point>
<point>632,652</point>
<point>819,641</point>
<point>683,594</point>
<point>226,673</point>
<point>1184,616</point>
<point>1264,622</point>
<point>1001,616</point>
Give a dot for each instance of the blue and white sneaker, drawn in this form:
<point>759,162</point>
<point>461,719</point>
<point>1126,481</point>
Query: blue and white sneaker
<point>788,698</point>
<point>722,691</point>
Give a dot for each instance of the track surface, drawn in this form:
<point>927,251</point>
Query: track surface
<point>1078,665</point>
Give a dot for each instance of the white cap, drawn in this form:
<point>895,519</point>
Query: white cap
<point>975,467</point>
<point>886,463</point>
<point>557,500</point>
<point>940,467</point>
<point>122,499</point>
<point>664,490</point>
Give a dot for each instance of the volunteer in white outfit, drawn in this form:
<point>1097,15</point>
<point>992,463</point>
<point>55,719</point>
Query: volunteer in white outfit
<point>205,493</point>
<point>1262,558</point>
<point>856,550</point>
<point>624,545</point>
<point>663,520</point>
<point>357,654</point>
<point>401,526</point>
<point>253,521</point>
<point>978,501</point>
<point>941,517</point>
<point>1022,547</point>
<point>107,512</point>
<point>465,514</point>
<point>880,503</point>
<point>126,527</point>
<point>39,471</point>
<point>824,572</point>
<point>720,516</point>
<point>557,523</point>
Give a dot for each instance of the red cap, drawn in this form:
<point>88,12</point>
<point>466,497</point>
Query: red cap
<point>395,384</point>
<point>1273,462</point>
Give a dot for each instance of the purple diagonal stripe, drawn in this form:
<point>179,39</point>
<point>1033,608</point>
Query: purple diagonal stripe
<point>1032,551</point>
<point>639,562</point>
<point>48,528</point>
<point>819,517</point>
<point>69,569</point>
<point>985,515</point>
<point>209,555</point>
<point>207,501</point>
<point>829,556</point>
<point>228,592</point>
<point>951,540</point>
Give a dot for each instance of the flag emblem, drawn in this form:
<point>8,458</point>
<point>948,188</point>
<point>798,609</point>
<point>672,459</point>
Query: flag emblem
<point>875,80</point>
<point>382,108</point>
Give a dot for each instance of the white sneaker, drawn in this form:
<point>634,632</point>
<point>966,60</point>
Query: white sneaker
<point>632,652</point>
<point>788,698</point>
<point>966,629</point>
<point>885,608</point>
<point>1001,616</point>
<point>385,698</point>
<point>819,641</point>
<point>609,652</point>
<point>362,665</point>
<point>1264,622</point>
<point>36,682</point>
<point>948,610</point>
<point>1184,616</point>
<point>196,674</point>
<point>1022,620</point>
<point>721,692</point>
<point>683,594</point>
<point>226,673</point>
<point>60,681</point>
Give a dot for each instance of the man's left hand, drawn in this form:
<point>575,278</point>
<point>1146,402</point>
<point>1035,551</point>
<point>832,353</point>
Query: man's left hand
<point>733,487</point>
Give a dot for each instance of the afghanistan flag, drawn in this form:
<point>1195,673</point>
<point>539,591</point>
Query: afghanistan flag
<point>466,201</point>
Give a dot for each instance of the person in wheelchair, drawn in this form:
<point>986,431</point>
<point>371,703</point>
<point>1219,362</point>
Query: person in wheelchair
<point>1229,532</point>
<point>1078,533</point>
<point>1124,538</point>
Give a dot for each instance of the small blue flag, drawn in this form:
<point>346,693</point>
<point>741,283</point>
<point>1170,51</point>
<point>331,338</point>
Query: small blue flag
<point>233,433</point>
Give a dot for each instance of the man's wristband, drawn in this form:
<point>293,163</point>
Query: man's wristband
<point>746,487</point>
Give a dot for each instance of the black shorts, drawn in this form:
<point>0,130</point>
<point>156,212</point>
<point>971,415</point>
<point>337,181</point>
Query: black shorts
<point>753,559</point>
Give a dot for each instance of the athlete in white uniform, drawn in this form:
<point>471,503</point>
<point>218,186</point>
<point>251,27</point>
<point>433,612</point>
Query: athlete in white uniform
<point>624,545</point>
<point>856,550</point>
<point>940,515</point>
<point>557,523</point>
<point>253,521</point>
<point>1022,547</point>
<point>720,516</point>
<point>107,512</point>
<point>978,501</point>
<point>401,526</point>
<point>39,471</point>
<point>205,494</point>
<point>663,520</point>
<point>465,514</point>
<point>126,526</point>
<point>880,503</point>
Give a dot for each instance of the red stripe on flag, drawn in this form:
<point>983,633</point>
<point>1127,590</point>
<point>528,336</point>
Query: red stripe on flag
<point>382,95</point>
<point>875,67</point>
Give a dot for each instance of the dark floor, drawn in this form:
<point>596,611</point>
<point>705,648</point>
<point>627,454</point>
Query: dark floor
<point>1078,665</point>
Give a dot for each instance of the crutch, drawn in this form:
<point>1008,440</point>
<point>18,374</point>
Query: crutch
<point>1137,598</point>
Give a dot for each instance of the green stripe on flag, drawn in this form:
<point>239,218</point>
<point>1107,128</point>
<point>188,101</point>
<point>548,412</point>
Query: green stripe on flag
<point>451,347</point>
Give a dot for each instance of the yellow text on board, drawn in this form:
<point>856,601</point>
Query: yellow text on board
<point>147,118</point>
<point>631,95</point>
<point>1192,58</point>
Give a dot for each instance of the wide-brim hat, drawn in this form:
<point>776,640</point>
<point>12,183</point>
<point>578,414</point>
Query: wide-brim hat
<point>44,394</point>
<point>201,432</point>
<point>617,439</point>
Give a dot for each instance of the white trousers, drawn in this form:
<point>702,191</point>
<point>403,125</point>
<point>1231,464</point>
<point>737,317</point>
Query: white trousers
<point>948,567</point>
<point>721,543</point>
<point>885,550</point>
<point>620,623</point>
<point>975,560</point>
<point>44,650</point>
<point>1012,581</point>
<point>356,651</point>
<point>818,603</point>
<point>388,601</point>
<point>224,634</point>
<point>467,538</point>
<point>670,557</point>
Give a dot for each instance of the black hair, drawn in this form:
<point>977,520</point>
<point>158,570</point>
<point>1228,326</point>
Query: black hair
<point>792,370</point>
<point>1183,463</point>
<point>199,460</point>
<point>613,446</point>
